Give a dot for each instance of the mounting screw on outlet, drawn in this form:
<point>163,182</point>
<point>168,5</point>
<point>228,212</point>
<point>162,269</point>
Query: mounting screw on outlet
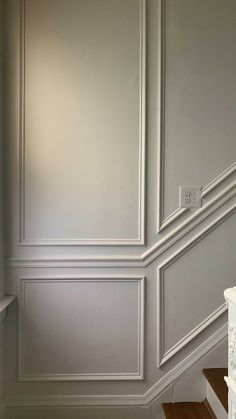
<point>190,196</point>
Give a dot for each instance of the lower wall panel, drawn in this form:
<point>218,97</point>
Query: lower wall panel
<point>76,328</point>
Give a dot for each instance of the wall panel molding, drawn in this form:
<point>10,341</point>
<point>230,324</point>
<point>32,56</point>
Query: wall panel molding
<point>150,396</point>
<point>182,229</point>
<point>163,355</point>
<point>210,187</point>
<point>163,222</point>
<point>122,280</point>
<point>140,240</point>
<point>161,113</point>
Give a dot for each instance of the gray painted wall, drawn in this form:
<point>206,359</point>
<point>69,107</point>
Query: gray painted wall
<point>116,284</point>
<point>1,223</point>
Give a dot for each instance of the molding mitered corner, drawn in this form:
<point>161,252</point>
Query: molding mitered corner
<point>190,223</point>
<point>134,261</point>
<point>162,221</point>
<point>140,240</point>
<point>163,355</point>
<point>121,279</point>
<point>211,343</point>
<point>210,187</point>
<point>149,397</point>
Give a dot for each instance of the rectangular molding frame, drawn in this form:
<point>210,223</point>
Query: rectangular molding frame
<point>115,261</point>
<point>22,241</point>
<point>163,222</point>
<point>140,280</point>
<point>164,356</point>
<point>150,396</point>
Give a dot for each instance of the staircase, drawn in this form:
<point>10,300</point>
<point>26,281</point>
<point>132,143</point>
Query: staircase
<point>215,406</point>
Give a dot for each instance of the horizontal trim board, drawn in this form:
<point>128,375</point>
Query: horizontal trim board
<point>139,280</point>
<point>132,261</point>
<point>127,400</point>
<point>140,240</point>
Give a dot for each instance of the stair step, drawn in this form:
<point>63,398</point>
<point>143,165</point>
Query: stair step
<point>187,410</point>
<point>215,377</point>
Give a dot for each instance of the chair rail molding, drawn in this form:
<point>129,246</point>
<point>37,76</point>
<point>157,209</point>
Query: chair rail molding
<point>122,280</point>
<point>139,261</point>
<point>140,240</point>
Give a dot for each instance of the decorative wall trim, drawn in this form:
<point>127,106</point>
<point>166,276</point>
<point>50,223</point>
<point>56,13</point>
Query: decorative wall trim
<point>123,279</point>
<point>5,302</point>
<point>190,223</point>
<point>163,222</point>
<point>210,187</point>
<point>187,363</point>
<point>161,112</point>
<point>139,261</point>
<point>165,356</point>
<point>148,398</point>
<point>142,133</point>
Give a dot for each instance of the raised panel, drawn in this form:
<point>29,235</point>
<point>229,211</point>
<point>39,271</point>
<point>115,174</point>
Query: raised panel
<point>83,122</point>
<point>76,328</point>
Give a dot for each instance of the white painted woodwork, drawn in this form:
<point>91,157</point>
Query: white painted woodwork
<point>155,395</point>
<point>192,386</point>
<point>85,328</point>
<point>194,268</point>
<point>230,296</point>
<point>215,403</point>
<point>232,399</point>
<point>184,382</point>
<point>111,105</point>
<point>83,122</point>
<point>199,100</point>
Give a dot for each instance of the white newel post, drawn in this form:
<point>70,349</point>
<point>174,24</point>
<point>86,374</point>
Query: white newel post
<point>230,296</point>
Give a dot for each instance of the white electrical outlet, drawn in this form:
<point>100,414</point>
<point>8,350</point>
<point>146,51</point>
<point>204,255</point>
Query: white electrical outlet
<point>190,196</point>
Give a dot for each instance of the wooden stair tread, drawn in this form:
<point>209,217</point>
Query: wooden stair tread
<point>215,377</point>
<point>186,410</point>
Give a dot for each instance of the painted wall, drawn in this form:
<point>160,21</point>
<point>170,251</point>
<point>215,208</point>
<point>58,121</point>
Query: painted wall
<point>111,106</point>
<point>1,221</point>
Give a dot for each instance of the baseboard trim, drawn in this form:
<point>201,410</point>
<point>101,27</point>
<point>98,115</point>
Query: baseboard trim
<point>187,363</point>
<point>127,400</point>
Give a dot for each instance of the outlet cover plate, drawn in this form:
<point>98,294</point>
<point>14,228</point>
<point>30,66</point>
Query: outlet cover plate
<point>190,196</point>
